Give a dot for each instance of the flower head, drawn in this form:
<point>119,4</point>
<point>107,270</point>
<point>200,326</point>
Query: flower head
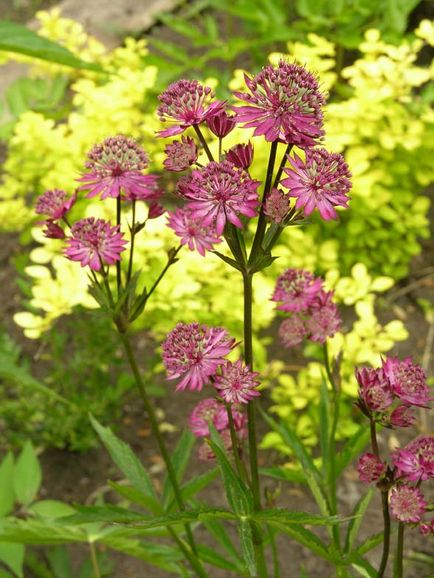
<point>193,352</point>
<point>236,383</point>
<point>205,452</point>
<point>54,204</point>
<point>205,412</point>
<point>296,289</point>
<point>407,504</point>
<point>186,103</point>
<point>220,124</point>
<point>402,416</point>
<point>284,104</point>
<point>408,381</point>
<point>116,166</point>
<point>370,468</point>
<point>241,155</point>
<point>181,154</point>
<point>192,232</point>
<point>95,242</point>
<point>292,331</point>
<point>221,192</point>
<point>375,393</point>
<point>277,206</point>
<point>321,181</point>
<point>52,230</point>
<point>323,319</point>
<point>416,461</point>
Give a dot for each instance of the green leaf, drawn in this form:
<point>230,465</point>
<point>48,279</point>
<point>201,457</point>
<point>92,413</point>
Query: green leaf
<point>357,518</point>
<point>51,509</point>
<point>364,568</point>
<point>60,562</point>
<point>353,447</point>
<point>306,538</point>
<point>216,528</point>
<point>7,494</point>
<point>13,556</point>
<point>247,548</point>
<point>179,459</point>
<point>292,517</point>
<point>210,556</point>
<point>136,497</point>
<point>27,475</point>
<point>324,435</point>
<point>17,38</point>
<point>41,532</point>
<point>284,474</point>
<point>368,544</point>
<point>124,457</point>
<point>194,486</point>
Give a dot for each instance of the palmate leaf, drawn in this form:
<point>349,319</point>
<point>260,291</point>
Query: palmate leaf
<point>19,39</point>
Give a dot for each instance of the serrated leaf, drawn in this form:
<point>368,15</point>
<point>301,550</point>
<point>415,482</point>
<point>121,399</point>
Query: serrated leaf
<point>7,494</point>
<point>39,532</point>
<point>216,528</point>
<point>324,435</point>
<point>179,459</point>
<point>17,38</point>
<point>367,545</point>
<point>51,509</point>
<point>27,475</point>
<point>13,556</point>
<point>364,568</point>
<point>194,486</point>
<point>210,556</point>
<point>292,517</point>
<point>106,514</point>
<point>136,497</point>
<point>247,548</point>
<point>357,518</point>
<point>306,538</point>
<point>284,474</point>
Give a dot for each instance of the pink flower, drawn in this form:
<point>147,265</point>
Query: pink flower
<point>116,166</point>
<point>370,468</point>
<point>416,461</point>
<point>206,411</point>
<point>54,204</point>
<point>375,393</point>
<point>93,242</point>
<point>408,381</point>
<point>425,529</point>
<point>277,206</point>
<point>236,383</point>
<point>186,103</point>
<point>220,124</point>
<point>52,230</point>
<point>194,352</point>
<point>402,416</point>
<point>181,154</point>
<point>323,319</point>
<point>296,289</point>
<point>407,504</point>
<point>292,331</point>
<point>241,155</point>
<point>192,232</point>
<point>221,192</point>
<point>320,181</point>
<point>284,104</point>
<point>155,209</point>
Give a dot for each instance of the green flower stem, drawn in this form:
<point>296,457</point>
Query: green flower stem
<point>274,552</point>
<point>203,142</point>
<point>118,263</point>
<point>399,568</point>
<point>282,165</point>
<point>170,261</point>
<point>94,560</point>
<point>384,504</point>
<point>133,235</point>
<point>234,441</point>
<point>260,230</point>
<point>161,444</point>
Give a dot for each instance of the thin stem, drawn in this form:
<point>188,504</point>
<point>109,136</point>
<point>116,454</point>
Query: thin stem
<point>234,441</point>
<point>374,442</point>
<point>170,261</point>
<point>282,165</point>
<point>203,142</point>
<point>386,539</point>
<point>157,434</point>
<point>220,149</point>
<point>260,230</point>
<point>118,263</point>
<point>195,563</point>
<point>274,553</point>
<point>399,569</point>
<point>94,559</point>
<point>133,235</point>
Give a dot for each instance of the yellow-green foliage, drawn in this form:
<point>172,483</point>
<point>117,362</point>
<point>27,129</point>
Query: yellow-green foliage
<point>295,395</point>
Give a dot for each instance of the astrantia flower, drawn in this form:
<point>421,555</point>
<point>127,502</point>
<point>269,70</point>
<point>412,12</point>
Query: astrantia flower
<point>370,468</point>
<point>323,318</point>
<point>116,166</point>
<point>192,232</point>
<point>296,289</point>
<point>320,181</point>
<point>52,230</point>
<point>416,461</point>
<point>408,381</point>
<point>95,241</point>
<point>186,103</point>
<point>221,124</point>
<point>193,352</point>
<point>402,416</point>
<point>181,154</point>
<point>241,155</point>
<point>54,204</point>
<point>206,411</point>
<point>221,192</point>
<point>292,331</point>
<point>284,104</point>
<point>276,206</point>
<point>375,393</point>
<point>407,504</point>
<point>236,383</point>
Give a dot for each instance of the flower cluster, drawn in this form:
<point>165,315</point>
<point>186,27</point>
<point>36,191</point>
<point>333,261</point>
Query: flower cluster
<point>54,204</point>
<point>313,314</point>
<point>196,355</point>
